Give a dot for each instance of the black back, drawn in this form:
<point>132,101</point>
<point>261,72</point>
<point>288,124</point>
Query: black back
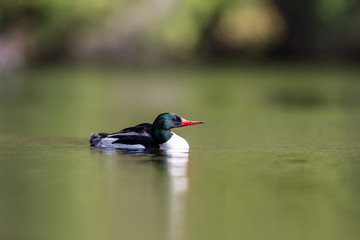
<point>139,134</point>
<point>143,129</point>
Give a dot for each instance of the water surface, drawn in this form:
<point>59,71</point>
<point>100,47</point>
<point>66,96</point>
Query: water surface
<point>277,158</point>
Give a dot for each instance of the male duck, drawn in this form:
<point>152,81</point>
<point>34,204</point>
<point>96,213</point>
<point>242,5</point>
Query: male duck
<point>146,135</point>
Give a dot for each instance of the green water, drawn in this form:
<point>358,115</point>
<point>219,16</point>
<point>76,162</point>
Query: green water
<point>277,158</point>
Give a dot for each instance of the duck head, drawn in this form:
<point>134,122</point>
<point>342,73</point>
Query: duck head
<point>172,120</point>
<point>166,121</point>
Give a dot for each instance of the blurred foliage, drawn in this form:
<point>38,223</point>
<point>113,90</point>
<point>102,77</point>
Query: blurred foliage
<point>48,25</point>
<point>213,27</point>
<point>172,29</point>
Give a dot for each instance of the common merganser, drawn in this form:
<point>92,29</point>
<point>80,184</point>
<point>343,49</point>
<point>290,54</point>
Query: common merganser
<point>146,135</point>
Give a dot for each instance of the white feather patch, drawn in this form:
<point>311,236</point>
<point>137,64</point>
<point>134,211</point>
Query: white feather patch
<point>108,142</point>
<point>175,142</point>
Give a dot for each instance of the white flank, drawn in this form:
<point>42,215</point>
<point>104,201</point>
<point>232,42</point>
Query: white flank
<point>107,142</point>
<point>175,142</point>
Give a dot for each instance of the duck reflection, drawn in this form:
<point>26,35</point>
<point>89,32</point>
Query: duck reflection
<point>178,170</point>
<point>164,172</point>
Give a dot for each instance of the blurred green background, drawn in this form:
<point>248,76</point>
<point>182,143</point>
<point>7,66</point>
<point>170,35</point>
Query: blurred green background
<point>163,31</point>
<point>276,82</point>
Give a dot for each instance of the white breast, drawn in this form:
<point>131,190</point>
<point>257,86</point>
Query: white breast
<point>175,142</point>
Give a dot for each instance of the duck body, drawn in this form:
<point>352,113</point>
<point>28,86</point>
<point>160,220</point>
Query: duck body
<point>146,135</point>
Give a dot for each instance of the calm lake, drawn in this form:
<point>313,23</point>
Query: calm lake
<point>277,158</point>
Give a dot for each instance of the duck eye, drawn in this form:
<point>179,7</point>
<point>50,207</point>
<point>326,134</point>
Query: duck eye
<point>174,118</point>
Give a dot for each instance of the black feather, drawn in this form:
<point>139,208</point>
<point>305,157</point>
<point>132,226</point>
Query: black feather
<point>143,129</point>
<point>147,142</point>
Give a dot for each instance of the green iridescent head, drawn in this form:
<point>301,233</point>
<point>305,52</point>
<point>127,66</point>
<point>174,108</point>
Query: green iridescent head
<point>166,121</point>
